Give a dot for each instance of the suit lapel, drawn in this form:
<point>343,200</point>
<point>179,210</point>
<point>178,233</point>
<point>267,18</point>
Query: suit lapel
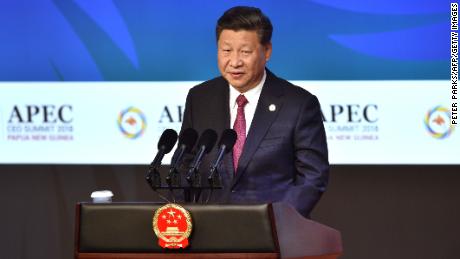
<point>223,122</point>
<point>222,102</point>
<point>263,118</point>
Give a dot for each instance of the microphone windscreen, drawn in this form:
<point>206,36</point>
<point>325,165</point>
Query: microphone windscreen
<point>228,139</point>
<point>208,138</point>
<point>188,138</point>
<point>167,140</point>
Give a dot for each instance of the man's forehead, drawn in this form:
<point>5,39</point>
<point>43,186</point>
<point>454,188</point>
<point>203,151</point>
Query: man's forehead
<point>244,35</point>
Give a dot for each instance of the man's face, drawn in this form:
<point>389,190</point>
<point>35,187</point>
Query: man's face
<point>241,58</point>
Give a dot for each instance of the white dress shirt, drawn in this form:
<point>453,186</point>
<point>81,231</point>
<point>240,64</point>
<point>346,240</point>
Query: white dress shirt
<point>250,108</point>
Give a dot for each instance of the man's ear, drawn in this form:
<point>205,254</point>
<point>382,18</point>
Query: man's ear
<point>268,51</point>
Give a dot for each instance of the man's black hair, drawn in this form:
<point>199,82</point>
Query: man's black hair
<point>246,18</point>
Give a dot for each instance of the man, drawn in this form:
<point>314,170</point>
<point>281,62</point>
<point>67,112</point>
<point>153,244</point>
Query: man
<point>281,151</point>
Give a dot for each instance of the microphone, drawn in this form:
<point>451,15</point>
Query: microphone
<point>187,140</point>
<point>226,143</point>
<point>205,144</point>
<point>165,145</point>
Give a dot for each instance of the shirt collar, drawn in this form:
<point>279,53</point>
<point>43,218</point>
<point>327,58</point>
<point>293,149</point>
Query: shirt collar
<point>252,95</point>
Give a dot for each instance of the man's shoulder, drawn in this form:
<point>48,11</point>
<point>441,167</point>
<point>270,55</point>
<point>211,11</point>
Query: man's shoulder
<point>291,90</point>
<point>210,86</point>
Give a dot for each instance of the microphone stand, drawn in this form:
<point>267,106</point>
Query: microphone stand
<point>173,181</point>
<point>153,175</point>
<point>194,181</point>
<point>194,187</point>
<point>214,181</point>
<point>153,178</point>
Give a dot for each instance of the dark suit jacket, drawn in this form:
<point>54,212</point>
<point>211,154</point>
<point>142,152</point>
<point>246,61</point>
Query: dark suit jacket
<point>285,154</point>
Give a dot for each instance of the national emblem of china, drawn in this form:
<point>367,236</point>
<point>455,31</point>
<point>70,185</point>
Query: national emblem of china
<point>172,224</point>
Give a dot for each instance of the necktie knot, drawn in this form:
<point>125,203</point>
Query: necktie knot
<point>241,101</point>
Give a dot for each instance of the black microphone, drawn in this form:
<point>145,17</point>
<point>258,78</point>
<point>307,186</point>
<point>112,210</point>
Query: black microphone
<point>187,140</point>
<point>226,143</point>
<point>205,144</point>
<point>165,145</point>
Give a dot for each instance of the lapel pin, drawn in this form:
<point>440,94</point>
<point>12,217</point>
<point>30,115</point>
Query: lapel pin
<point>272,107</point>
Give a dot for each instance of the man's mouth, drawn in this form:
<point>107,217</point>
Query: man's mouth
<point>236,74</point>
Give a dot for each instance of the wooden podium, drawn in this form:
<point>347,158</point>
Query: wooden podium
<point>124,230</point>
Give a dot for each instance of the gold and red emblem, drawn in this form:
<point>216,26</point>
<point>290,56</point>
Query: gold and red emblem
<point>172,224</point>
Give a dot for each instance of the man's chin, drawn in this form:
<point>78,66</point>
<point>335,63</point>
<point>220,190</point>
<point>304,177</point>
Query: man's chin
<point>240,87</point>
<point>238,84</point>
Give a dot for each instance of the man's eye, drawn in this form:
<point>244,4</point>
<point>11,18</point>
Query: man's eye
<point>246,52</point>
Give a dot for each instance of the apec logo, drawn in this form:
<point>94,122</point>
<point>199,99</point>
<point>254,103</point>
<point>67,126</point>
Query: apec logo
<point>46,122</point>
<point>132,122</point>
<point>171,114</point>
<point>41,114</point>
<point>437,122</point>
<point>351,113</point>
<point>351,122</point>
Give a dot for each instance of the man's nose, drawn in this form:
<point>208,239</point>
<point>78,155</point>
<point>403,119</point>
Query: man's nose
<point>235,60</point>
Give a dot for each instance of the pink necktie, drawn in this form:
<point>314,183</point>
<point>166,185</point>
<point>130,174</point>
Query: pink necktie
<point>240,128</point>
